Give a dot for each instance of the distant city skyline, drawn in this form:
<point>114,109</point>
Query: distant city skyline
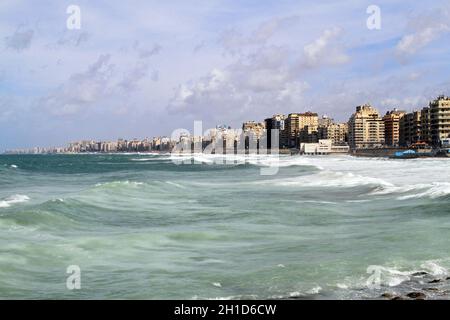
<point>147,69</point>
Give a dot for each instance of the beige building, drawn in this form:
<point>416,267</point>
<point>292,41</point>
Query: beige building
<point>411,128</point>
<point>366,128</point>
<point>392,127</point>
<point>336,132</point>
<point>323,147</point>
<point>439,120</point>
<point>425,122</point>
<point>301,127</point>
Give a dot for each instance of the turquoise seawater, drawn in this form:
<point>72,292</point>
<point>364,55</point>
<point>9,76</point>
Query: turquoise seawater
<point>144,227</point>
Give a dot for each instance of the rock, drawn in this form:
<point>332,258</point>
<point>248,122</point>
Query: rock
<point>388,295</point>
<point>420,273</point>
<point>431,289</point>
<point>448,278</point>
<point>416,295</point>
<point>435,281</point>
<point>397,298</point>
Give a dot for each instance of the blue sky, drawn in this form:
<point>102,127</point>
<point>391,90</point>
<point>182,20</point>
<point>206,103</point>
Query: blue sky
<point>145,68</point>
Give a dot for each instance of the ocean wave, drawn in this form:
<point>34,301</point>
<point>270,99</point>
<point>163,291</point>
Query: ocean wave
<point>330,179</point>
<point>119,183</point>
<point>433,190</point>
<point>252,159</point>
<point>17,198</point>
<point>403,279</point>
<point>150,159</point>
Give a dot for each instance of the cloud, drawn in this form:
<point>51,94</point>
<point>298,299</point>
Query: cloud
<point>428,27</point>
<point>82,90</point>
<point>234,41</point>
<point>323,50</point>
<point>132,77</point>
<point>73,38</point>
<point>262,79</point>
<point>145,53</point>
<point>20,40</point>
<point>258,83</point>
<point>411,43</point>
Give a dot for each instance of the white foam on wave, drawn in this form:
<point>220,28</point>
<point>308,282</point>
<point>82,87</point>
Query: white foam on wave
<point>118,183</point>
<point>431,190</point>
<point>330,179</point>
<point>435,190</point>
<point>392,276</point>
<point>14,166</point>
<point>17,198</point>
<point>434,268</point>
<point>175,184</point>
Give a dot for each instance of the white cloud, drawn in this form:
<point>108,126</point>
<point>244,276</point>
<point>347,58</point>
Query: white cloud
<point>411,43</point>
<point>82,90</point>
<point>427,27</point>
<point>260,83</point>
<point>323,51</point>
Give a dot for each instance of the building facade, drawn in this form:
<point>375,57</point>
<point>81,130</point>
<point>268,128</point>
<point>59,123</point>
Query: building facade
<point>366,128</point>
<point>392,127</point>
<point>301,127</point>
<point>276,122</point>
<point>439,120</point>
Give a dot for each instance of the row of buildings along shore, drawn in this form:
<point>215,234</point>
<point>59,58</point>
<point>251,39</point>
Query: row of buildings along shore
<point>305,133</point>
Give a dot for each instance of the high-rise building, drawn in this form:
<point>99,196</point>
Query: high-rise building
<point>392,127</point>
<point>329,130</point>
<point>301,127</point>
<point>425,122</point>
<point>439,120</point>
<point>366,128</point>
<point>411,128</point>
<point>276,123</point>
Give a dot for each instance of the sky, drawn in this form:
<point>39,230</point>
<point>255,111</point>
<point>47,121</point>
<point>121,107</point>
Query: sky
<point>137,69</point>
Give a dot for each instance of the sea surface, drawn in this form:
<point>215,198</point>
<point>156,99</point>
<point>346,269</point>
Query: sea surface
<point>141,226</point>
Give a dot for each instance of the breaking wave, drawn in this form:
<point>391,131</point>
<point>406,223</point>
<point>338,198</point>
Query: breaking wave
<point>433,190</point>
<point>17,198</point>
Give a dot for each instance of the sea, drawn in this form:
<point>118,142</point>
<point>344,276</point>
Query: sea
<point>161,226</point>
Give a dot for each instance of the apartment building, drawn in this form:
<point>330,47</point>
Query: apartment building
<point>392,127</point>
<point>439,120</point>
<point>366,128</point>
<point>301,127</point>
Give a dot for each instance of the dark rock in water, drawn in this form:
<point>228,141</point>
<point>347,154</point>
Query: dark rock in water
<point>421,273</point>
<point>416,295</point>
<point>435,281</point>
<point>431,289</point>
<point>397,298</point>
<point>448,278</point>
<point>388,295</point>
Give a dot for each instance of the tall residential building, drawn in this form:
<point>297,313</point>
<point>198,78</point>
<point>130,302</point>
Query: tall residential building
<point>365,128</point>
<point>329,130</point>
<point>439,120</point>
<point>301,127</point>
<point>276,123</point>
<point>411,128</point>
<point>392,127</point>
<point>336,132</point>
<point>425,122</point>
